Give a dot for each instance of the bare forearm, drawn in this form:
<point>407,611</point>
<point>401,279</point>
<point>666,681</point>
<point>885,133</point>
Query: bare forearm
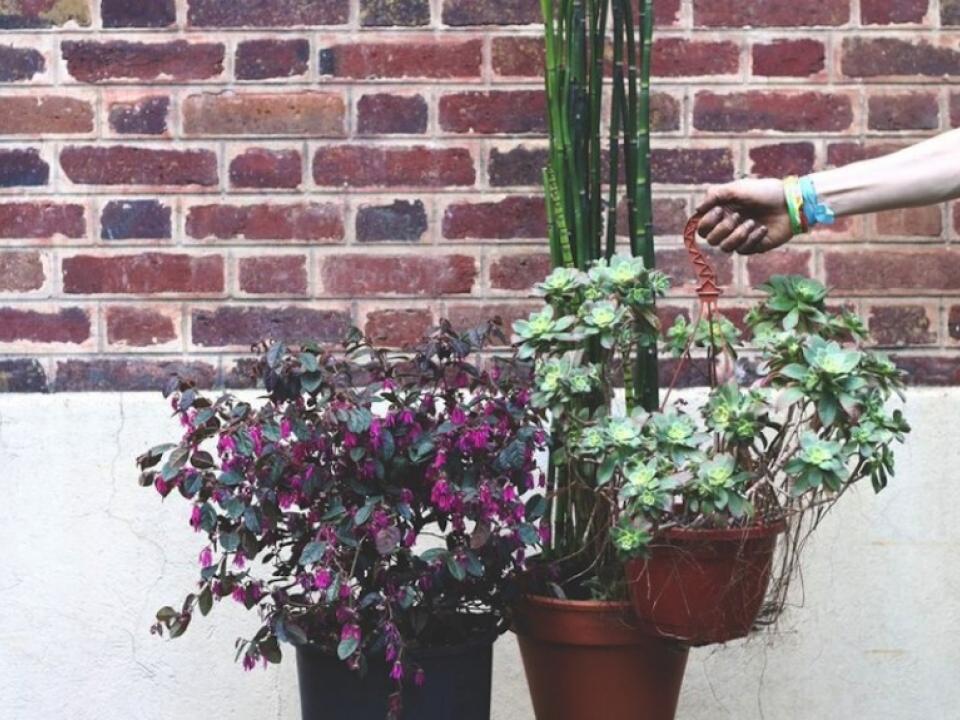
<point>923,174</point>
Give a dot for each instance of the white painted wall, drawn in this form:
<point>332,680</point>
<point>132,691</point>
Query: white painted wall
<point>86,557</point>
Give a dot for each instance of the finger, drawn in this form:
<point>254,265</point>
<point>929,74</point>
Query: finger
<point>722,231</point>
<point>710,220</point>
<point>715,197</point>
<point>739,236</point>
<point>754,242</point>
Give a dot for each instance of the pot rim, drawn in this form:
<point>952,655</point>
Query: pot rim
<point>437,651</point>
<point>580,606</point>
<point>740,534</point>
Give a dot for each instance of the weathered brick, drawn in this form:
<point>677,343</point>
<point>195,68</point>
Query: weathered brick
<point>21,271</point>
<point>761,268</point>
<point>101,375</point>
<point>513,112</point>
<point>90,61</point>
<point>143,274</point>
<point>669,216</point>
<point>146,13</point>
<point>666,12</point>
<point>266,221</point>
<point>906,111</point>
<point>783,111</point>
<point>665,112</point>
<point>418,166</point>
<point>144,116</point>
<point>386,114</point>
<point>891,12</point>
<point>400,327</point>
<point>64,325</point>
<point>402,220</point>
<point>124,165</point>
<point>904,324</point>
<point>518,56</point>
<point>263,168</point>
<point>44,115</point>
<point>770,13</point>
<point>415,275</point>
<point>437,59</point>
<point>267,59</point>
<point>273,275</point>
<point>23,167</point>
<point>917,270</point>
<point>20,63</point>
<point>276,13</point>
<point>929,369</point>
<point>21,14</point>
<point>789,58</point>
<point>401,13</point>
<point>678,57</point>
<point>491,12</point>
<point>42,220</point>
<point>244,326</point>
<point>916,222</point>
<point>950,12</point>
<point>141,327</point>
<point>308,113</point>
<point>136,220</point>
<point>781,159</point>
<point>22,375</point>
<point>685,165</point>
<point>953,322</point>
<point>512,217</point>
<point>866,57</point>
<point>519,272</point>
<point>520,165</point>
<point>465,316</point>
<point>844,153</point>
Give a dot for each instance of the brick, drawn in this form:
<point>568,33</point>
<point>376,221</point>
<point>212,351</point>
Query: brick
<point>144,116</point>
<point>244,326</point>
<point>906,111</point>
<point>789,58</point>
<point>676,263</point>
<point>950,12</point>
<point>310,114</point>
<point>389,114</point>
<point>466,316</point>
<point>141,327</point>
<point>20,63</point>
<point>520,165</point>
<point>22,14</point>
<point>21,272</point>
<point>417,166</point>
<point>512,217</point>
<point>806,111</point>
<point>437,59</point>
<point>669,216</point>
<point>844,153</point>
<point>519,272</point>
<point>45,115</point>
<point>512,112</point>
<point>146,13</point>
<point>276,13</point>
<point>136,220</point>
<point>891,12</point>
<point>685,165</point>
<point>916,222</point>
<point>770,13</point>
<point>518,56</point>
<point>400,13</point>
<point>65,325</point>
<point>268,59</point>
<point>781,159</point>
<point>90,62</point>
<point>124,165</point>
<point>273,275</point>
<point>402,220</point>
<point>929,369</point>
<point>143,274</point>
<point>23,168</point>
<point>42,220</point>
<point>263,168</point>
<point>953,322</point>
<point>266,221</point>
<point>22,375</point>
<point>666,12</point>
<point>899,325</point>
<point>761,268</point>
<point>398,327</point>
<point>461,13</point>
<point>917,270</point>
<point>100,375</point>
<point>665,112</point>
<point>678,57</point>
<point>415,275</point>
<point>886,56</point>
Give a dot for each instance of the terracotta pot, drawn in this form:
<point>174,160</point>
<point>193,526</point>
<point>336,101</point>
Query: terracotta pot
<point>703,586</point>
<point>587,661</point>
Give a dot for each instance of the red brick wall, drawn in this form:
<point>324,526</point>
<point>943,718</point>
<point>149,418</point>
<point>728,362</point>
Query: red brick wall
<point>179,179</point>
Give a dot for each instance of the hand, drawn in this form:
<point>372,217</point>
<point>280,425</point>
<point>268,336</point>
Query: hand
<point>746,216</point>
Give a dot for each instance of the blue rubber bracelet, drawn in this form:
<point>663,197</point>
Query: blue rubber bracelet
<point>817,213</point>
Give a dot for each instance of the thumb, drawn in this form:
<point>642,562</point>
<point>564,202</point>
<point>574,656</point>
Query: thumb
<point>717,195</point>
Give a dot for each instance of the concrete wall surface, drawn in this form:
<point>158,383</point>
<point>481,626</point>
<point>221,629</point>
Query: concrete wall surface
<point>86,558</point>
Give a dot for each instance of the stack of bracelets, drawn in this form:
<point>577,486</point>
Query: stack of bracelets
<point>803,205</point>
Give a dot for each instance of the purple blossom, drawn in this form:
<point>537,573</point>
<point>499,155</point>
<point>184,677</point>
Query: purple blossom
<point>206,557</point>
<point>443,496</point>
<point>396,673</point>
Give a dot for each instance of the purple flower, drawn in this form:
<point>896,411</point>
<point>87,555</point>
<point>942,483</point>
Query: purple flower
<point>196,518</point>
<point>249,662</point>
<point>419,677</point>
<point>458,416</point>
<point>286,428</point>
<point>350,632</point>
<point>396,673</point>
<point>206,557</point>
<point>442,496</point>
<point>322,580</point>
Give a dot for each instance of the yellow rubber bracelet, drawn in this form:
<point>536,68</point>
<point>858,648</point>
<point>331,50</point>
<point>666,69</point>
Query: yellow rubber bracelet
<point>794,198</point>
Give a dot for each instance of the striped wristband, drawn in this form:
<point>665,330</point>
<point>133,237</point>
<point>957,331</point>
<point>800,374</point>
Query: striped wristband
<point>794,199</point>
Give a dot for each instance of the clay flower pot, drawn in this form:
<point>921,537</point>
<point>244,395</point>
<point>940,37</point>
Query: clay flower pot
<point>703,586</point>
<point>587,660</point>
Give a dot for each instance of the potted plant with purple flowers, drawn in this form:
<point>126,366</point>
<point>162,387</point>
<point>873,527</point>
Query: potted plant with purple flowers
<point>373,509</point>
